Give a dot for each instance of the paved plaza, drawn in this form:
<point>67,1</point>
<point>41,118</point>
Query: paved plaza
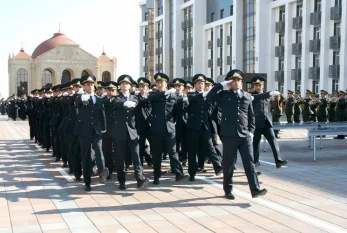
<point>37,195</point>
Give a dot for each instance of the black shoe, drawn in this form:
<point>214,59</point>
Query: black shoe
<point>201,170</point>
<point>192,178</point>
<point>87,187</point>
<point>149,164</point>
<point>259,173</point>
<point>47,149</point>
<point>64,165</point>
<point>57,160</point>
<point>141,183</point>
<point>258,193</point>
<point>218,170</point>
<point>70,171</point>
<point>180,178</point>
<point>156,181</point>
<point>235,168</point>
<point>78,179</point>
<point>229,196</point>
<point>257,164</point>
<point>122,187</point>
<point>164,172</point>
<point>108,177</point>
<point>281,163</point>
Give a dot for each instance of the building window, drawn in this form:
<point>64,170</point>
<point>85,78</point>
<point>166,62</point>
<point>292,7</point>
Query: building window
<point>280,64</point>
<point>282,14</point>
<point>222,14</point>
<point>336,58</point>
<point>297,62</point>
<point>211,73</point>
<point>338,2</point>
<point>316,59</point>
<point>335,86</point>
<point>22,82</point>
<point>66,77</point>
<point>280,87</point>
<point>46,80</point>
<point>317,5</point>
<point>106,76</point>
<point>297,85</point>
<point>337,29</point>
<point>281,39</point>
<point>231,10</point>
<point>298,36</point>
<point>315,86</point>
<point>316,33</point>
<point>249,36</point>
<point>212,17</point>
<point>146,16</point>
<point>299,10</point>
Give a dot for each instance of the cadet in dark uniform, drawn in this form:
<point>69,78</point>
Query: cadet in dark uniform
<point>188,87</point>
<point>340,111</point>
<point>91,123</point>
<point>276,109</point>
<point>142,112</point>
<point>322,109</point>
<point>290,107</point>
<point>263,125</point>
<point>124,132</point>
<point>162,120</point>
<point>181,121</point>
<point>60,122</point>
<point>332,105</point>
<point>100,87</point>
<point>46,117</point>
<point>297,106</point>
<point>237,129</point>
<point>307,111</point>
<point>22,107</point>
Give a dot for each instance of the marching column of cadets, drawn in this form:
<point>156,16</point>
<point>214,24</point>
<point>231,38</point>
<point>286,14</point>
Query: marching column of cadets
<point>106,127</point>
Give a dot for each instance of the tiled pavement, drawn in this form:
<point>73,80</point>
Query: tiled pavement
<point>37,196</point>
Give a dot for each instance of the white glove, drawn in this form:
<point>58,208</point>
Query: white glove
<point>171,91</point>
<point>126,104</point>
<point>132,104</point>
<point>185,99</point>
<point>103,131</point>
<point>80,92</point>
<point>85,97</point>
<point>225,84</point>
<point>274,93</point>
<point>65,94</point>
<point>137,92</point>
<point>204,94</point>
<point>103,95</point>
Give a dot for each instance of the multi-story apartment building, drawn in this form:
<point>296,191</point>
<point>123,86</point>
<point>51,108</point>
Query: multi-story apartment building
<point>296,44</point>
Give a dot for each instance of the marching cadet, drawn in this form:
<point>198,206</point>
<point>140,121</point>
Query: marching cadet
<point>100,87</point>
<point>297,106</point>
<point>14,107</point>
<point>307,111</point>
<point>332,105</point>
<point>290,107</point>
<point>60,123</point>
<point>3,106</point>
<point>38,116</point>
<point>188,87</point>
<point>142,112</point>
<point>237,128</point>
<point>322,109</point>
<point>107,145</point>
<point>91,123</point>
<point>56,114</point>
<point>340,111</point>
<point>199,130</point>
<point>124,132</point>
<point>276,109</point>
<point>22,107</point>
<point>74,145</point>
<point>163,138</point>
<point>134,87</point>
<point>46,117</point>
<point>181,121</point>
<point>30,112</point>
<point>263,125</point>
<point>154,87</point>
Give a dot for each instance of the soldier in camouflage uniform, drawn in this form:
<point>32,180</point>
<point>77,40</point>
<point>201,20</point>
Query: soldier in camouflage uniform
<point>276,110</point>
<point>332,105</point>
<point>290,102</point>
<point>322,109</point>
<point>307,111</point>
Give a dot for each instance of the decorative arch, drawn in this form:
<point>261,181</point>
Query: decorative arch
<point>86,71</point>
<point>67,76</point>
<point>106,76</point>
<point>47,77</point>
<point>22,82</point>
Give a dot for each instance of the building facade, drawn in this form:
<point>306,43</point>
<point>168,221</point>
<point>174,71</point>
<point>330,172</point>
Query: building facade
<point>297,44</point>
<point>55,61</point>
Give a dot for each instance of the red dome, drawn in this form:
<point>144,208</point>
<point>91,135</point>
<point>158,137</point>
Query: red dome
<point>57,39</point>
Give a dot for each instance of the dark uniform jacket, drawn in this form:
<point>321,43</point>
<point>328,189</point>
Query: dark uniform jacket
<point>90,117</point>
<point>198,112</point>
<point>108,113</point>
<point>70,124</point>
<point>237,113</point>
<point>341,106</point>
<point>261,109</point>
<point>163,114</point>
<point>307,108</point>
<point>123,118</point>
<point>276,106</point>
<point>290,105</point>
<point>142,112</point>
<point>58,111</point>
<point>323,108</point>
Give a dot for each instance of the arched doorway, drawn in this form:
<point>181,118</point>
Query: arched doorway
<point>22,82</point>
<point>66,77</point>
<point>46,79</point>
<point>86,71</point>
<point>106,76</point>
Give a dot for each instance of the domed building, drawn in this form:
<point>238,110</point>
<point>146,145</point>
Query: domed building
<point>55,61</point>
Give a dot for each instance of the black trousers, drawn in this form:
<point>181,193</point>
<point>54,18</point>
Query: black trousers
<point>290,118</point>
<point>143,148</point>
<point>86,147</point>
<point>160,143</point>
<point>269,134</point>
<point>68,154</point>
<point>62,145</point>
<point>75,153</point>
<point>56,143</point>
<point>297,118</point>
<point>306,118</point>
<point>107,150</point>
<point>201,146</point>
<point>181,140</point>
<point>32,134</point>
<point>47,135</point>
<point>131,145</point>
<point>230,147</point>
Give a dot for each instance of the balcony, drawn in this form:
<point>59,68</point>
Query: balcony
<point>190,61</point>
<point>145,69</point>
<point>184,44</point>
<point>210,44</point>
<point>334,71</point>
<point>184,25</point>
<point>335,13</point>
<point>279,76</point>
<point>219,42</point>
<point>229,40</point>
<point>229,60</point>
<point>280,27</point>
<point>335,42</point>
<point>190,42</point>
<point>315,18</point>
<point>314,73</point>
<point>279,51</point>
<point>296,74</point>
<point>145,53</point>
<point>314,46</point>
<point>183,62</point>
<point>189,23</point>
<point>210,63</point>
<point>297,49</point>
<point>145,39</point>
<point>297,23</point>
<point>219,61</point>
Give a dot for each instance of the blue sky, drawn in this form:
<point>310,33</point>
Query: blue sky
<point>91,23</point>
